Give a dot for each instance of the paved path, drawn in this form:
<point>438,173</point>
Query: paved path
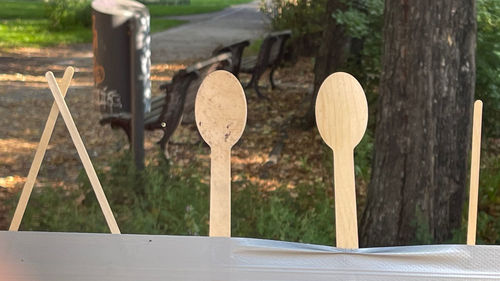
<point>192,40</point>
<point>205,32</point>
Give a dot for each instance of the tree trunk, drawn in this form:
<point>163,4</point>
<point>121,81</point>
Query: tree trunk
<point>422,138</point>
<point>332,55</point>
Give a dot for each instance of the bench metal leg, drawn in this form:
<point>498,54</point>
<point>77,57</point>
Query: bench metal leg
<point>166,137</point>
<point>271,73</point>
<point>255,82</point>
<point>256,88</point>
<point>125,127</point>
<point>251,82</point>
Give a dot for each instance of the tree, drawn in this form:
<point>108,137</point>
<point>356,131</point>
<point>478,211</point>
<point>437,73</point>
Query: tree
<point>331,56</point>
<point>419,170</point>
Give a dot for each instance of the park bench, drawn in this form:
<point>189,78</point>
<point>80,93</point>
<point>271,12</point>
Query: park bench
<point>270,55</point>
<point>236,50</point>
<point>167,109</point>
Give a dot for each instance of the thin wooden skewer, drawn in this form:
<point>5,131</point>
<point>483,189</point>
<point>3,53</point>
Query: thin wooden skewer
<point>39,154</point>
<point>82,152</point>
<point>474,172</point>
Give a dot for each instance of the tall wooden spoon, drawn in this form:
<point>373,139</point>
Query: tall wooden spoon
<point>221,114</point>
<point>341,117</point>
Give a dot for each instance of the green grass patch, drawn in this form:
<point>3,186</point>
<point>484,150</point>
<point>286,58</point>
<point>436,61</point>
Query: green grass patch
<point>35,32</point>
<point>21,9</point>
<point>26,22</point>
<point>162,200</point>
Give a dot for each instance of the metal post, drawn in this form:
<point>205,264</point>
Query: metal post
<point>140,82</point>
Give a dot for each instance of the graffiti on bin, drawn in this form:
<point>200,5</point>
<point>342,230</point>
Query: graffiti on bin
<point>108,101</point>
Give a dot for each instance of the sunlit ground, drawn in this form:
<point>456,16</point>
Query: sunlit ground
<point>26,102</point>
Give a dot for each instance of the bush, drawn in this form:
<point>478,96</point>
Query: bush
<point>158,201</point>
<point>65,14</point>
<point>306,20</point>
<point>488,63</point>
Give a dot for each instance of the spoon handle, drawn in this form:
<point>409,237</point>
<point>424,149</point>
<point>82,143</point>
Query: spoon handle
<point>346,223</point>
<point>220,192</point>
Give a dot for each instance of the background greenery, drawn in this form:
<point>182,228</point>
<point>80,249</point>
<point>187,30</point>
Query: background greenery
<point>363,22</point>
<point>166,200</point>
<point>53,22</point>
<point>162,200</point>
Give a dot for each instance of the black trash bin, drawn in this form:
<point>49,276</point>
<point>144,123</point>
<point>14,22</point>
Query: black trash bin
<point>122,62</point>
<point>121,44</point>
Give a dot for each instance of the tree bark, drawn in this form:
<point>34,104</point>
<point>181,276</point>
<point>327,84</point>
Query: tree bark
<point>332,55</point>
<point>422,138</point>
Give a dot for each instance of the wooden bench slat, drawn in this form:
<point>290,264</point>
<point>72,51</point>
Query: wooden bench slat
<point>167,108</point>
<point>248,63</point>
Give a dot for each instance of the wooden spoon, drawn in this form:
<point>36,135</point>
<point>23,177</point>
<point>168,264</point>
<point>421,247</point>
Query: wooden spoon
<point>341,117</point>
<point>221,114</point>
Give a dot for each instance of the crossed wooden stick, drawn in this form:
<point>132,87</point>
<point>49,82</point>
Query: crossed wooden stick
<point>60,105</point>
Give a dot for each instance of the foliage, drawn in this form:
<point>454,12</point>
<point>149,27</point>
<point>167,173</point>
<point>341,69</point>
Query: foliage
<point>157,201</point>
<point>363,21</point>
<point>305,19</point>
<point>66,14</point>
<point>488,217</point>
<point>52,22</point>
<point>488,63</point>
<point>36,32</point>
<point>24,23</point>
<point>489,201</point>
<point>305,214</point>
<point>164,200</point>
<point>21,10</point>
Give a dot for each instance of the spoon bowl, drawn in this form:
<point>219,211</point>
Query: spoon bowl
<point>341,111</point>
<point>221,109</point>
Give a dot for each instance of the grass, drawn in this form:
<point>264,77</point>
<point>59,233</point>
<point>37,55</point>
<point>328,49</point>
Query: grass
<point>162,200</point>
<point>25,23</point>
<point>21,9</point>
<point>166,200</point>
<point>35,32</point>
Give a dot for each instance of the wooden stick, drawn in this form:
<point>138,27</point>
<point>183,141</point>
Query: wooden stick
<point>474,172</point>
<point>220,192</point>
<point>39,154</point>
<point>342,117</point>
<point>82,152</point>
